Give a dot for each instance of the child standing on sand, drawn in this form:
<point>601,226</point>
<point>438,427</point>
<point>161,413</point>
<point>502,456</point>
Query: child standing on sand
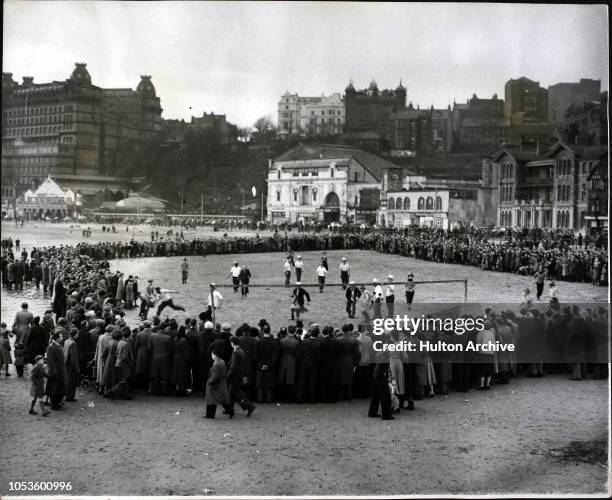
<point>37,389</point>
<point>20,355</point>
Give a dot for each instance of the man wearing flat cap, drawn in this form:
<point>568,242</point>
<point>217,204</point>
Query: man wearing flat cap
<point>352,295</point>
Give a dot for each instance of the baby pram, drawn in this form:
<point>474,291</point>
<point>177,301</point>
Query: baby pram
<point>88,376</point>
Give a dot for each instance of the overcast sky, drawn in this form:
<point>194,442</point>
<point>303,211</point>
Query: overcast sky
<point>239,58</point>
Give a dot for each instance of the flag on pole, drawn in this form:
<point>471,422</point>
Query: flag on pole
<point>254,191</point>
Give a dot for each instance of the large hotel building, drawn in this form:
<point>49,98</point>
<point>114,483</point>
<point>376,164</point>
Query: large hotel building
<point>71,130</point>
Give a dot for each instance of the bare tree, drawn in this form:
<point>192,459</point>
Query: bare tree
<point>265,130</point>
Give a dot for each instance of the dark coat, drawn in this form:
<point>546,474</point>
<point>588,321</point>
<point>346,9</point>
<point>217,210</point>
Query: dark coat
<point>160,348</point>
<point>143,353</point>
<point>84,346</point>
<point>110,375</point>
<point>266,354</point>
<point>56,368</point>
<point>237,368</point>
<point>223,347</point>
<point>287,366</point>
<point>59,300</point>
<point>37,377</point>
<point>328,351</point>
<point>247,344</point>
<point>216,385</point>
<point>181,363</point>
<point>348,356</point>
<point>308,352</point>
<point>577,338</point>
<point>38,341</point>
<point>299,295</point>
<point>352,293</point>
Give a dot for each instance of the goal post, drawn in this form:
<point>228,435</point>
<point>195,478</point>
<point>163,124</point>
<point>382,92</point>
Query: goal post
<point>358,283</point>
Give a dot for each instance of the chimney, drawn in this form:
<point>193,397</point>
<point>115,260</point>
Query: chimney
<point>28,81</point>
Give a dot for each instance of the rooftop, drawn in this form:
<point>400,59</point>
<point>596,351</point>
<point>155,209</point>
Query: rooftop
<point>372,163</point>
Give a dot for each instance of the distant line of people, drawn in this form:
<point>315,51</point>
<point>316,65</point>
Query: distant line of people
<point>558,261</point>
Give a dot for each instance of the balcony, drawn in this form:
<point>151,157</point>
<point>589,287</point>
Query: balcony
<point>536,182</point>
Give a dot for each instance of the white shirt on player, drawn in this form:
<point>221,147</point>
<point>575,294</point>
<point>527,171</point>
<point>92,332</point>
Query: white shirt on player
<point>235,271</point>
<point>218,299</point>
<point>321,271</point>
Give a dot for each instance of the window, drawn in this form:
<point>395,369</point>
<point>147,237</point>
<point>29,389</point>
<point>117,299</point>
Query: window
<point>406,203</point>
<point>421,203</point>
<point>295,195</point>
<point>398,203</point>
<point>438,203</point>
<point>429,203</point>
<point>278,195</point>
<point>356,176</point>
<point>391,204</point>
<point>314,194</point>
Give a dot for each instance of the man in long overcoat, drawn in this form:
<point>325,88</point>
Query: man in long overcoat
<point>58,377</point>
<point>216,388</point>
<point>23,322</point>
<point>236,378</point>
<point>266,354</point>
<point>287,367</point>
<point>348,355</point>
<point>161,349</point>
<point>73,367</point>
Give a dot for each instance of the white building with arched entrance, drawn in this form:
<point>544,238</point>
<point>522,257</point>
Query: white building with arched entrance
<point>325,183</point>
